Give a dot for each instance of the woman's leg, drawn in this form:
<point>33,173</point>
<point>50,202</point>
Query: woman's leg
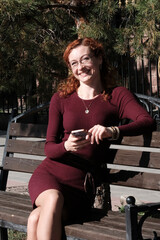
<point>32,224</point>
<point>50,205</point>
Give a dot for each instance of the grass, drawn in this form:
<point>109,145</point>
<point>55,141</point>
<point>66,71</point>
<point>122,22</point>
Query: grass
<point>15,235</point>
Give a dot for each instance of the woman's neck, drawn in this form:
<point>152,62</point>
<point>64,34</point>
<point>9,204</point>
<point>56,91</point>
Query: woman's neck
<point>87,92</point>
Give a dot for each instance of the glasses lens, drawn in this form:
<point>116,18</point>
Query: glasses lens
<point>84,61</point>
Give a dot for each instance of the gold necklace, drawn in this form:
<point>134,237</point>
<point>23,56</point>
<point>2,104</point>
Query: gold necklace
<point>87,108</point>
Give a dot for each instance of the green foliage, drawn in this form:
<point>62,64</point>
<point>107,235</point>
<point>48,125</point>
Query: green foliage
<point>32,39</point>
<point>100,23</point>
<point>133,27</point>
<point>33,35</point>
<point>15,235</point>
<point>140,29</point>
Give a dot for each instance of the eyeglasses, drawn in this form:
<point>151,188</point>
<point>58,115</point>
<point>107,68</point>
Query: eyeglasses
<point>84,60</point>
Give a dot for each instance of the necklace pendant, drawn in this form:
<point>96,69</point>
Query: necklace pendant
<point>87,111</point>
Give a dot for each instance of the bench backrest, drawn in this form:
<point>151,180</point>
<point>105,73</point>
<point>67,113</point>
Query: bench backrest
<point>136,162</point>
<point>24,147</point>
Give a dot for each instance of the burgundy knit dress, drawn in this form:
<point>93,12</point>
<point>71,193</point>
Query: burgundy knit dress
<point>66,171</point>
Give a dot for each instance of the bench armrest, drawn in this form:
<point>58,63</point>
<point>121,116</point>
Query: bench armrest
<point>133,223</point>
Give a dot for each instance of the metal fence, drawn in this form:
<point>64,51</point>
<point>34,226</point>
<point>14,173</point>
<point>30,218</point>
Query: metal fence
<point>141,75</point>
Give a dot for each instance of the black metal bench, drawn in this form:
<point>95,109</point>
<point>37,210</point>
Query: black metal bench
<point>24,150</point>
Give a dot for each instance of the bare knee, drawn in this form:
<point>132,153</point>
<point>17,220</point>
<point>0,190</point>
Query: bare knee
<point>54,197</point>
<point>50,199</point>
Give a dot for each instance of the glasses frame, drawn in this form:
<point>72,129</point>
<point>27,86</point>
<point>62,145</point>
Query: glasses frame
<point>74,65</point>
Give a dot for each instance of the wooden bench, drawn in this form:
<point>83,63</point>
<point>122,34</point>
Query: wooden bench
<point>136,164</point>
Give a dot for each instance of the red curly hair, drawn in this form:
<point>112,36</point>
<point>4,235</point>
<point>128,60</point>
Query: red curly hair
<point>71,84</point>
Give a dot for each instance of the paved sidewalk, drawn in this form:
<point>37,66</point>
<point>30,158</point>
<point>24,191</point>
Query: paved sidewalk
<point>20,179</point>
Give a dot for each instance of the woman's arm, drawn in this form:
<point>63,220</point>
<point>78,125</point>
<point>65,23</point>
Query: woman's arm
<point>129,108</point>
<point>54,147</point>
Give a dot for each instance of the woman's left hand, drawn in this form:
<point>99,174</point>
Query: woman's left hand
<point>98,133</point>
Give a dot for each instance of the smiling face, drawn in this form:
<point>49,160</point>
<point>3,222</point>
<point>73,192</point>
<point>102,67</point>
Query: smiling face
<point>84,65</point>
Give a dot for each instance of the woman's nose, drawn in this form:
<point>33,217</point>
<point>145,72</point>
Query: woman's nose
<point>80,65</point>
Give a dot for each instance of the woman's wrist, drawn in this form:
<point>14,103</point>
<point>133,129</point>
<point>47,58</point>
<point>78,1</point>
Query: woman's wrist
<point>114,131</point>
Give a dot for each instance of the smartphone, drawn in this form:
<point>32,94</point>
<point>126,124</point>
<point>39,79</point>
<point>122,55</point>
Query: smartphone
<point>79,133</point>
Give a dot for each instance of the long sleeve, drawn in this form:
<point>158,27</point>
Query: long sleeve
<point>54,148</point>
<point>129,108</point>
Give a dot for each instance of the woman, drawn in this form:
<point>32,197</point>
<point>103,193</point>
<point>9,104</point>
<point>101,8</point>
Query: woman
<point>59,186</point>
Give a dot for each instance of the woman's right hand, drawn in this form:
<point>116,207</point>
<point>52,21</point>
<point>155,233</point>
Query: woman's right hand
<point>75,143</point>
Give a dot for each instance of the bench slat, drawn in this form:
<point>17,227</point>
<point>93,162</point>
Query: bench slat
<point>135,179</point>
<point>136,158</point>
<point>21,208</point>
<point>94,233</point>
<point>22,204</point>
<point>14,215</point>
<point>143,140</point>
<point>21,164</point>
<point>110,223</point>
<point>13,195</point>
<point>26,147</point>
<point>119,224</point>
<point>39,131</point>
<point>25,130</point>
